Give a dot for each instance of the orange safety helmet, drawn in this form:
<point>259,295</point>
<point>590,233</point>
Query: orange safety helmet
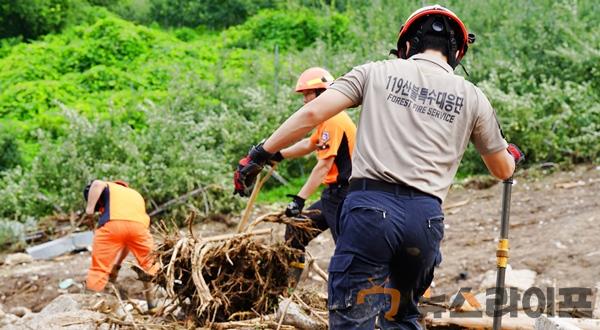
<point>122,183</point>
<point>435,20</point>
<point>314,78</point>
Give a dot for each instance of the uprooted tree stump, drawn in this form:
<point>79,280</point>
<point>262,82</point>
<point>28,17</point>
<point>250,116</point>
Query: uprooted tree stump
<point>227,277</point>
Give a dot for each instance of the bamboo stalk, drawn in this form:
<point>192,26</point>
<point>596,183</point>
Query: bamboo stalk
<point>252,199</point>
<point>135,326</point>
<point>223,237</point>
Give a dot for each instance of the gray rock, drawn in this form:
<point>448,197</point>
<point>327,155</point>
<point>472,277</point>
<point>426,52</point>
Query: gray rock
<point>10,321</point>
<point>19,311</point>
<point>521,279</point>
<point>60,304</point>
<point>17,258</point>
<point>72,320</point>
<point>545,323</point>
<point>296,317</point>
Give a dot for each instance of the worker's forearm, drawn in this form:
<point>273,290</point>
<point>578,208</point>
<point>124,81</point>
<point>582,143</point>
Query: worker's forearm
<point>304,147</point>
<point>328,104</point>
<point>500,164</point>
<point>95,191</point>
<point>293,129</point>
<point>314,181</point>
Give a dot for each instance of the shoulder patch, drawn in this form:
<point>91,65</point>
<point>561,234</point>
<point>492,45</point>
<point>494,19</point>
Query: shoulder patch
<point>325,136</point>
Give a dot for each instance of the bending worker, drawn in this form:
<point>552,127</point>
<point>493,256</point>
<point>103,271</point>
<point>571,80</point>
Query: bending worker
<point>333,141</point>
<point>416,122</point>
<point>122,228</point>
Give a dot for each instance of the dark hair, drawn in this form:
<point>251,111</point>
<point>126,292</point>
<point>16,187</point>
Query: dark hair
<point>86,191</point>
<point>435,42</point>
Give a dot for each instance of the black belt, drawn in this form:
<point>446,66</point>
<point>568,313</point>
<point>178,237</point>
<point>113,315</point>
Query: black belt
<point>393,188</point>
<point>336,187</point>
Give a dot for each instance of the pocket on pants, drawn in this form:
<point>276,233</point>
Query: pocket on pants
<point>339,290</point>
<point>435,230</point>
<point>378,212</point>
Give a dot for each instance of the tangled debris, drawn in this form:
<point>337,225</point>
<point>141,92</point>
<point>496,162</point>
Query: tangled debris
<point>230,277</point>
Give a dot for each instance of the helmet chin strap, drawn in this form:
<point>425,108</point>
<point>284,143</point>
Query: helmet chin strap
<point>452,60</point>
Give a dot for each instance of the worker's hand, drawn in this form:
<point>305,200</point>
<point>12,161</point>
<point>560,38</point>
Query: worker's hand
<point>517,154</point>
<point>248,169</point>
<point>295,207</point>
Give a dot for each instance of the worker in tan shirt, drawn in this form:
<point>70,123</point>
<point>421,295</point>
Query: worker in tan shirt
<point>417,119</point>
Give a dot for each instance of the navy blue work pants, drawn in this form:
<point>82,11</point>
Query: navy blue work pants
<point>331,199</point>
<point>387,248</point>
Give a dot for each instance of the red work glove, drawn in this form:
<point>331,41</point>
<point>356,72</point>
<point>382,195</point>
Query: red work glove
<point>517,154</point>
<point>248,168</point>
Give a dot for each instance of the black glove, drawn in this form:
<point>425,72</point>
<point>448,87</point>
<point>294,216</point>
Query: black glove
<point>248,168</point>
<point>295,207</point>
<point>277,157</point>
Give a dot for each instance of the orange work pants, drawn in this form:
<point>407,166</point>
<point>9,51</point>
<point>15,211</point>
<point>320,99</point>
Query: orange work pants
<point>109,240</point>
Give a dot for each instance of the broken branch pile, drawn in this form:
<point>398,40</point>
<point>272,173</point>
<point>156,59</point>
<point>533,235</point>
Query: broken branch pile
<point>226,277</point>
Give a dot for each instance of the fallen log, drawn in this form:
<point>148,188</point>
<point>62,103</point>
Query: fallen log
<point>522,322</point>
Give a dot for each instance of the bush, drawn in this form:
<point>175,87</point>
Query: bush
<point>277,27</point>
<point>165,159</point>
<point>172,110</point>
<point>13,232</point>
<point>33,18</point>
<point>211,13</point>
<point>10,156</point>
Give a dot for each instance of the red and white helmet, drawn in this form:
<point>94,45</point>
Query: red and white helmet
<point>437,20</point>
<point>314,78</point>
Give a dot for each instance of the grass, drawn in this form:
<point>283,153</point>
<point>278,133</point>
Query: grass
<point>276,192</point>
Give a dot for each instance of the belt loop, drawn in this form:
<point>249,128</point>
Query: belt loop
<point>364,184</point>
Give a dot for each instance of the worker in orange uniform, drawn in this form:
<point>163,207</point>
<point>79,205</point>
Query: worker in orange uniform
<point>122,228</point>
<point>333,141</point>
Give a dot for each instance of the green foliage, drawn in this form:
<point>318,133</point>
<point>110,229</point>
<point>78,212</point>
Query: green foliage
<point>13,232</point>
<point>173,110</point>
<point>211,13</point>
<point>539,69</point>
<point>165,159</point>
<point>33,18</point>
<point>277,27</point>
<point>10,156</point>
<point>133,10</point>
<point>279,192</point>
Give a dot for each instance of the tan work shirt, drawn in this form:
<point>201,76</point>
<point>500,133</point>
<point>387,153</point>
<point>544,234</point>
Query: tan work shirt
<point>416,121</point>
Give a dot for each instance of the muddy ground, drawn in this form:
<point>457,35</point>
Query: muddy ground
<point>554,231</point>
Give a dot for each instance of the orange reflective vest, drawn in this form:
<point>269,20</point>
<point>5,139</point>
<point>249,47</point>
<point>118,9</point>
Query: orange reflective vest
<point>122,203</point>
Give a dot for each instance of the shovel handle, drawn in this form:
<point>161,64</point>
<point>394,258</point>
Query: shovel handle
<point>502,253</point>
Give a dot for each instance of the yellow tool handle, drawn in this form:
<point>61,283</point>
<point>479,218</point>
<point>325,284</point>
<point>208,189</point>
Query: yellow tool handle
<point>502,253</point>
